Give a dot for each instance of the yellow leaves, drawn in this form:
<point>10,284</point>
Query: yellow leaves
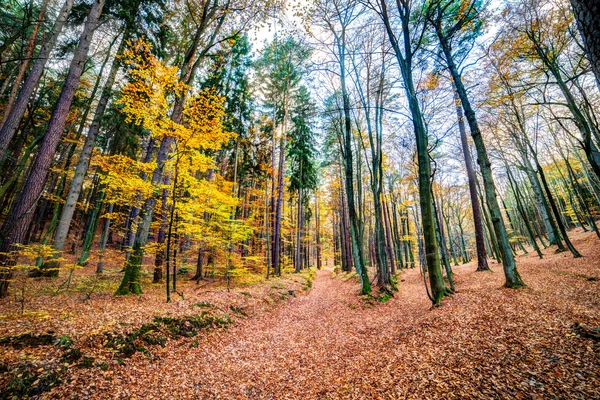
<point>145,98</point>
<point>431,81</point>
<point>204,119</point>
<point>148,100</point>
<point>121,175</point>
<point>41,315</point>
<point>35,250</point>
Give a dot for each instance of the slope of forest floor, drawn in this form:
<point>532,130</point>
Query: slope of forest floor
<point>49,338</point>
<point>484,342</point>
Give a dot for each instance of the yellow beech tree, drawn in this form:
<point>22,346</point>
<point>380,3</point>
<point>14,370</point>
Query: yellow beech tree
<point>194,189</point>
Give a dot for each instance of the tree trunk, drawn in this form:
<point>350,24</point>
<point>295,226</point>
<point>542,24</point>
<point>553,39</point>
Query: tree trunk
<point>482,264</point>
<point>586,13</point>
<point>279,203</point>
<point>298,255</point>
<point>513,279</point>
<point>91,230</point>
<point>388,236</point>
<point>318,231</point>
<point>19,218</point>
<point>10,126</point>
<point>104,240</point>
<point>438,288</point>
<point>354,219</point>
<point>86,152</point>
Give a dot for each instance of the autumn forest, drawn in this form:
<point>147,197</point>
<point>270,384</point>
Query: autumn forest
<point>315,199</point>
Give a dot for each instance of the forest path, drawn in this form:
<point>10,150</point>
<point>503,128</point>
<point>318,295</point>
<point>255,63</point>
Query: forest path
<point>484,342</point>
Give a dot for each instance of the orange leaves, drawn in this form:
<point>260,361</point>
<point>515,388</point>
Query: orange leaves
<point>431,81</point>
<point>484,342</point>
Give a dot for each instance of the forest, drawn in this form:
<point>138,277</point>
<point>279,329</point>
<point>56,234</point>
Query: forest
<point>310,199</point>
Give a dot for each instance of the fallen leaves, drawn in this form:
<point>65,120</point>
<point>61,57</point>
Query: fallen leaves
<point>484,342</point>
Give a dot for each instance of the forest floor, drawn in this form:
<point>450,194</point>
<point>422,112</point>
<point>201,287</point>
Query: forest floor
<point>485,341</point>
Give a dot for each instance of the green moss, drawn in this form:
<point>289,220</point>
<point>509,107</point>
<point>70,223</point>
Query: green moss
<point>384,298</point>
<point>28,340</point>
<point>26,382</point>
<point>72,355</point>
<point>87,362</point>
<point>160,330</point>
<point>203,304</point>
<point>64,341</point>
<point>238,310</point>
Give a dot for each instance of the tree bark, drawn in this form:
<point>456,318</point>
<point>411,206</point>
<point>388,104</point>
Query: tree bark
<point>10,126</point>
<point>276,247</point>
<point>511,274</point>
<point>18,220</point>
<point>482,264</point>
<point>587,14</point>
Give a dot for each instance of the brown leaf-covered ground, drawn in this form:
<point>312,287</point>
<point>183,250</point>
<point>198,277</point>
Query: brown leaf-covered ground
<point>484,342</point>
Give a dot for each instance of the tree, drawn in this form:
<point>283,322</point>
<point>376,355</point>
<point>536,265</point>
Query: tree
<point>301,158</point>
<point>482,264</point>
<point>337,17</point>
<point>12,120</point>
<point>586,13</point>
<point>456,24</point>
<point>147,100</point>
<point>281,67</point>
<point>15,226</point>
<point>81,169</point>
<point>405,49</point>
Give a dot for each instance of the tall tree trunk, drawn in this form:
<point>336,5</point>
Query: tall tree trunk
<point>298,252</point>
<point>104,240</point>
<point>388,235</point>
<point>11,124</point>
<point>347,157</point>
<point>17,221</point>
<point>91,229</point>
<point>86,152</point>
<point>490,230</point>
<point>346,241</point>
<point>511,274</point>
<point>482,264</point>
<point>397,236</point>
<point>438,287</point>
<point>275,257</point>
<point>318,231</point>
<point>586,13</point>
<point>442,241</point>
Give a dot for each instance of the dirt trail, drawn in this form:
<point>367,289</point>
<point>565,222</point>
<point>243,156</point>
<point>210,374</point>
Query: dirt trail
<point>484,342</point>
